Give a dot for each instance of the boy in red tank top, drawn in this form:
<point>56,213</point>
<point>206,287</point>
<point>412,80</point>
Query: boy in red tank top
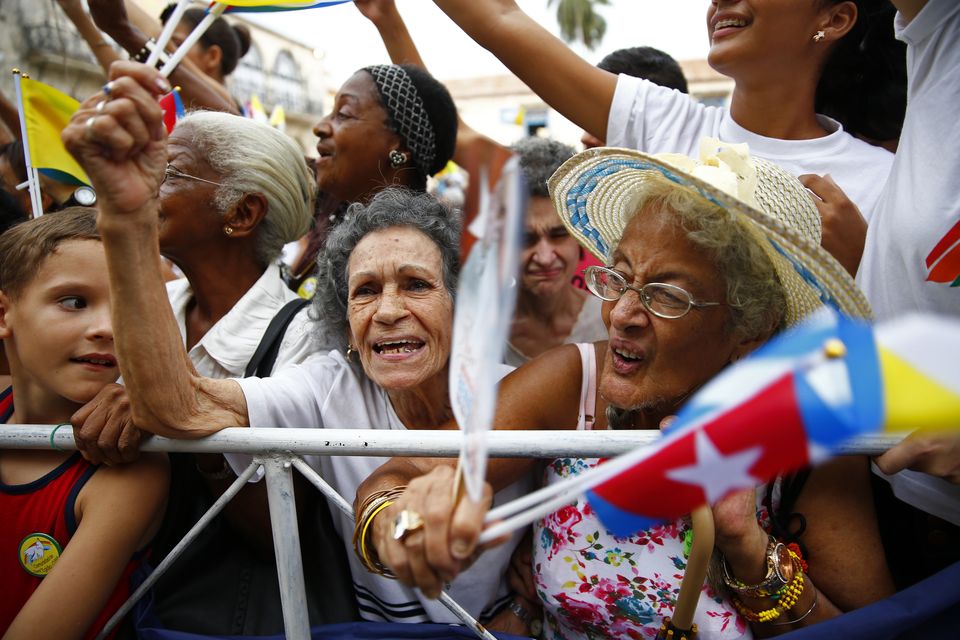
<point>71,533</point>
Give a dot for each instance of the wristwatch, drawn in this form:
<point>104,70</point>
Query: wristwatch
<point>780,571</point>
<point>84,196</point>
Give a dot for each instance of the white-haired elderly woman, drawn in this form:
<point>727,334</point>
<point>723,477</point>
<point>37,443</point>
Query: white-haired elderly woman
<point>231,193</point>
<point>696,278</point>
<point>387,281</point>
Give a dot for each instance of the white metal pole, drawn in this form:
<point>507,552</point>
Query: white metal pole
<point>167,32</point>
<point>192,39</point>
<point>286,546</point>
<point>32,176</point>
<point>177,551</point>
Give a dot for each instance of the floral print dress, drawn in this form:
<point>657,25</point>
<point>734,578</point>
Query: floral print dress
<point>596,585</point>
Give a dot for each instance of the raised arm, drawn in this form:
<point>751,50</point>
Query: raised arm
<point>474,152</point>
<point>101,49</point>
<point>9,120</point>
<point>122,146</point>
<point>568,83</point>
<point>199,91</point>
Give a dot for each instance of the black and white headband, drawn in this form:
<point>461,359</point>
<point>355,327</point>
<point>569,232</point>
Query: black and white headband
<point>407,112</point>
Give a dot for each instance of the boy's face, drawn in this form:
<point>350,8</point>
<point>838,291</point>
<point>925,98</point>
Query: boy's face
<point>57,330</point>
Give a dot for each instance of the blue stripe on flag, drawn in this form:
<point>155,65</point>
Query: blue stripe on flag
<point>617,521</point>
<point>825,425</point>
<point>863,365</point>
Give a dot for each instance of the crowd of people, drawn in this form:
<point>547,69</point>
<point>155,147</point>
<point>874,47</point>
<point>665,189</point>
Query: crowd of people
<point>682,238</point>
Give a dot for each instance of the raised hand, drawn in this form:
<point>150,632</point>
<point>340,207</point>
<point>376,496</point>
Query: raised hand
<point>119,139</point>
<point>376,10</point>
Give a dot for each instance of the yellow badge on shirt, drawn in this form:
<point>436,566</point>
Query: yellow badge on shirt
<point>38,553</point>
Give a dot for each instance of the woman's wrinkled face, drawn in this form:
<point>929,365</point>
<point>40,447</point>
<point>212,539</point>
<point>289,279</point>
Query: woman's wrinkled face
<point>399,311</point>
<point>354,142</point>
<point>550,253</point>
<point>652,363</point>
<point>744,33</point>
<point>188,216</point>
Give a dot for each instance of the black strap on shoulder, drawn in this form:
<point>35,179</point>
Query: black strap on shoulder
<point>261,364</point>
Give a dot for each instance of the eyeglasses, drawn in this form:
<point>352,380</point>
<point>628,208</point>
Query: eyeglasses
<point>172,172</point>
<point>661,299</point>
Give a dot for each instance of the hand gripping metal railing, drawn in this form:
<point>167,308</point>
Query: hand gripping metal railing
<point>279,450</point>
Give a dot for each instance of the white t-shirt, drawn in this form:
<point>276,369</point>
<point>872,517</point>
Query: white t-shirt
<point>328,392</point>
<point>911,260</point>
<point>227,347</point>
<point>907,263</point>
<point>655,119</point>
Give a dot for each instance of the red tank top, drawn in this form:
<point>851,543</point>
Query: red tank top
<point>38,522</point>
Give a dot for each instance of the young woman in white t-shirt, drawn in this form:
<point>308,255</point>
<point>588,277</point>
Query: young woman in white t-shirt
<point>787,57</point>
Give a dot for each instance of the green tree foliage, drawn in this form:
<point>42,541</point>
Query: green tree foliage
<point>579,20</point>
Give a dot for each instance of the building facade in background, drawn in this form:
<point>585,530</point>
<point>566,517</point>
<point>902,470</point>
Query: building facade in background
<point>39,39</point>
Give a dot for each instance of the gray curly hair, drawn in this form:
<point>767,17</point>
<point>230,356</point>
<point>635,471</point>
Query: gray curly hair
<point>539,159</point>
<point>754,293</point>
<point>251,157</point>
<point>393,207</point>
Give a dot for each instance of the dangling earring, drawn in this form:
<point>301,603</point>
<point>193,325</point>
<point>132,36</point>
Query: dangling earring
<point>397,158</point>
<point>818,36</point>
<point>228,230</point>
<point>350,352</point>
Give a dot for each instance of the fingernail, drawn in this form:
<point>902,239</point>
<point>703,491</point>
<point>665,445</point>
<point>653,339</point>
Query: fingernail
<point>162,84</point>
<point>460,549</point>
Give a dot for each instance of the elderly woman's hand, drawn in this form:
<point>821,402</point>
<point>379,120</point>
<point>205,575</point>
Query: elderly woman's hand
<point>103,428</point>
<point>427,557</point>
<point>118,137</point>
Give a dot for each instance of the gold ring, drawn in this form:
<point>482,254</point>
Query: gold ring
<point>406,522</point>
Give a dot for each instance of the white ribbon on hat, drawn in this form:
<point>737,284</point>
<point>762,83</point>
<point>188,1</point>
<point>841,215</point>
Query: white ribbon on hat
<point>722,165</point>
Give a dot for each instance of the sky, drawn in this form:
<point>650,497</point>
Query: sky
<point>347,41</point>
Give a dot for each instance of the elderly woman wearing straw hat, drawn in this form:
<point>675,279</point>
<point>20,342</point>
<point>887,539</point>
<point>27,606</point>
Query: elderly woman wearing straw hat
<point>706,260</point>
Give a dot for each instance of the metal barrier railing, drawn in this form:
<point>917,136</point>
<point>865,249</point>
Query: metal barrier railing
<point>279,451</point>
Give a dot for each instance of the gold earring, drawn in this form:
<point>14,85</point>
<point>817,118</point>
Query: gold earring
<point>228,230</point>
<point>350,352</point>
<point>818,36</point>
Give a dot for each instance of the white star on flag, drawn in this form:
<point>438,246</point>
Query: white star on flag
<point>715,473</point>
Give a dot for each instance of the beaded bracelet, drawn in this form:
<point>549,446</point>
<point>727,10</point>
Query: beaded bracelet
<point>786,598</point>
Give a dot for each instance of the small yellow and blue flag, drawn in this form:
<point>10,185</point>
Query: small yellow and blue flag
<point>46,113</point>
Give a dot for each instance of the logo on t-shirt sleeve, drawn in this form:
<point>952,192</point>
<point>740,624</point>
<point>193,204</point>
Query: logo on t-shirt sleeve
<point>943,263</point>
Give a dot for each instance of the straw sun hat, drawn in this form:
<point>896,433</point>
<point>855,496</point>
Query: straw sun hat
<point>596,193</point>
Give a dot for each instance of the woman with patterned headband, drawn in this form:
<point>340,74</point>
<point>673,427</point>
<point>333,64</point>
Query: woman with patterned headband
<point>390,125</point>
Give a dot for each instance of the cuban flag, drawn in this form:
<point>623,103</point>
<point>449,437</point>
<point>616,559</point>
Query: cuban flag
<point>789,405</point>
<point>172,107</point>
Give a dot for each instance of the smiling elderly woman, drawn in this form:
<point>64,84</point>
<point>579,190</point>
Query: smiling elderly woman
<point>697,277</point>
<point>387,284</point>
